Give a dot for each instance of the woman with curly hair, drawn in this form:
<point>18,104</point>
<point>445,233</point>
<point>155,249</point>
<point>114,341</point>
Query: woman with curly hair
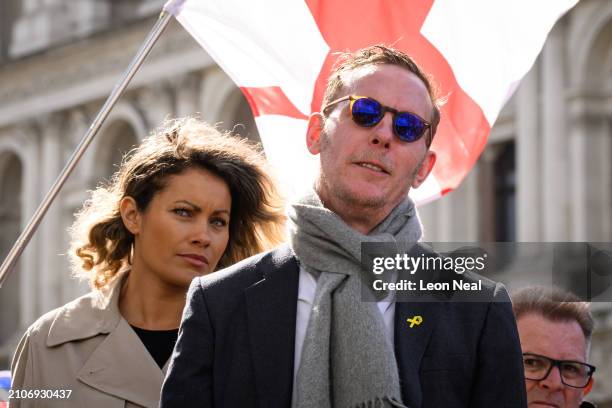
<point>189,200</point>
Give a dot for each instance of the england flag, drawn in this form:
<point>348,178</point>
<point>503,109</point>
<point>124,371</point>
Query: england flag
<point>280,53</point>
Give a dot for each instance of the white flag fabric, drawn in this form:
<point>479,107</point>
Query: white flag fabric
<point>280,54</point>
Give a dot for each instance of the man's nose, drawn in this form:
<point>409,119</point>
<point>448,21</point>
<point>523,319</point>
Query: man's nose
<point>382,133</point>
<point>553,381</point>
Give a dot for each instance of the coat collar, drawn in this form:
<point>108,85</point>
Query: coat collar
<point>95,313</point>
<point>120,365</point>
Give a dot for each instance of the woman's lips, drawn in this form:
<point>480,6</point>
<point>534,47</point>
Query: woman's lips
<point>198,261</point>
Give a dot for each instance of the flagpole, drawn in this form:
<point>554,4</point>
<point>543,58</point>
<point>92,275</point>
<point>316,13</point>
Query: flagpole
<point>30,229</point>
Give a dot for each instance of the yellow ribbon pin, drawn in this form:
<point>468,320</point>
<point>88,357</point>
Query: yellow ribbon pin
<point>416,320</point>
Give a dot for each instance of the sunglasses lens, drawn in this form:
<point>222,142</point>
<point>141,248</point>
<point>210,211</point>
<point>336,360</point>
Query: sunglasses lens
<point>408,127</point>
<point>366,112</point>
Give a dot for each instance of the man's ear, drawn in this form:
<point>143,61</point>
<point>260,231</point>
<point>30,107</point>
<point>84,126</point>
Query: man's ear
<point>130,215</point>
<point>424,169</point>
<point>589,386</point>
<point>313,133</point>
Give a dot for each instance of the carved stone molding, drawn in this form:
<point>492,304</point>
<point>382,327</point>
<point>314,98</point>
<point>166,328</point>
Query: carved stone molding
<point>87,60</point>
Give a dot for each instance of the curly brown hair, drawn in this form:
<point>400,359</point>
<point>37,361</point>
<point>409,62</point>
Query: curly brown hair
<point>101,245</point>
<point>377,55</point>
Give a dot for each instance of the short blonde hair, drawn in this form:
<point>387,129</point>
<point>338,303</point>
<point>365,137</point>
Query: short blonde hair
<point>378,55</point>
<point>101,245</point>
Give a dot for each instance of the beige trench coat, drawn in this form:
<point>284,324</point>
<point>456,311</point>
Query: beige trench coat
<point>86,346</point>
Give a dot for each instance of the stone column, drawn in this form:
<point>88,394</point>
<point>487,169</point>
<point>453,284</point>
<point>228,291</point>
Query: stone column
<point>555,186</point>
<point>75,193</point>
<point>51,274</point>
<point>591,173</point>
<point>528,159</point>
<point>30,261</point>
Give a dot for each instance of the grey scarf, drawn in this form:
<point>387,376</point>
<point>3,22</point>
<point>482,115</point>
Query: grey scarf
<point>347,361</point>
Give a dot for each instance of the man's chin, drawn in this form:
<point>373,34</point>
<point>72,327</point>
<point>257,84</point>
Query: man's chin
<point>361,194</point>
<point>365,199</point>
<point>543,401</point>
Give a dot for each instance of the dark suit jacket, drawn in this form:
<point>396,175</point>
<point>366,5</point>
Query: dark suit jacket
<point>236,344</point>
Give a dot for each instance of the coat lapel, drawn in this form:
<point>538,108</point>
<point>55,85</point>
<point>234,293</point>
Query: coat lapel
<point>410,345</point>
<point>271,312</point>
<point>122,366</point>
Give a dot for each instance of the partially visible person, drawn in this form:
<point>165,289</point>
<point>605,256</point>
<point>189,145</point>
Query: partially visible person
<point>187,201</point>
<point>5,386</point>
<point>293,328</point>
<point>555,328</point>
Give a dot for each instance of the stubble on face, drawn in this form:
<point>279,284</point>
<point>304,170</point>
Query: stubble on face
<point>342,193</point>
<point>360,196</point>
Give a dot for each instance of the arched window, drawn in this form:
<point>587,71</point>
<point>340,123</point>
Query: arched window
<point>118,139</point>
<point>505,194</point>
<point>497,185</point>
<point>10,224</point>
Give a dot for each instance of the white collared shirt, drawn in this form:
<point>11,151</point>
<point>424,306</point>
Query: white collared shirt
<point>306,292</point>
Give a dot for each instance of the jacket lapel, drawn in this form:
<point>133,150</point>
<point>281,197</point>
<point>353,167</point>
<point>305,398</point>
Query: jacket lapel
<point>271,312</point>
<point>122,366</point>
<point>410,345</point>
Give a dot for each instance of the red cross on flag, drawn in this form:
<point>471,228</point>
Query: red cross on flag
<point>280,52</point>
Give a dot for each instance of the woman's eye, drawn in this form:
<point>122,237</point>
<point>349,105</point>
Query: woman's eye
<point>219,222</point>
<point>182,212</point>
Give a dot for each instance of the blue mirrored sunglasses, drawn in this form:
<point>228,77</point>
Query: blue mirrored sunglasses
<point>368,112</point>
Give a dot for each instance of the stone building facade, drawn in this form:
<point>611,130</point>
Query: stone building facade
<point>546,174</point>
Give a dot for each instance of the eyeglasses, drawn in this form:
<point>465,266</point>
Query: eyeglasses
<point>368,112</point>
<point>573,373</point>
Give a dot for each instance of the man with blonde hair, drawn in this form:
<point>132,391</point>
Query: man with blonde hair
<point>291,328</point>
